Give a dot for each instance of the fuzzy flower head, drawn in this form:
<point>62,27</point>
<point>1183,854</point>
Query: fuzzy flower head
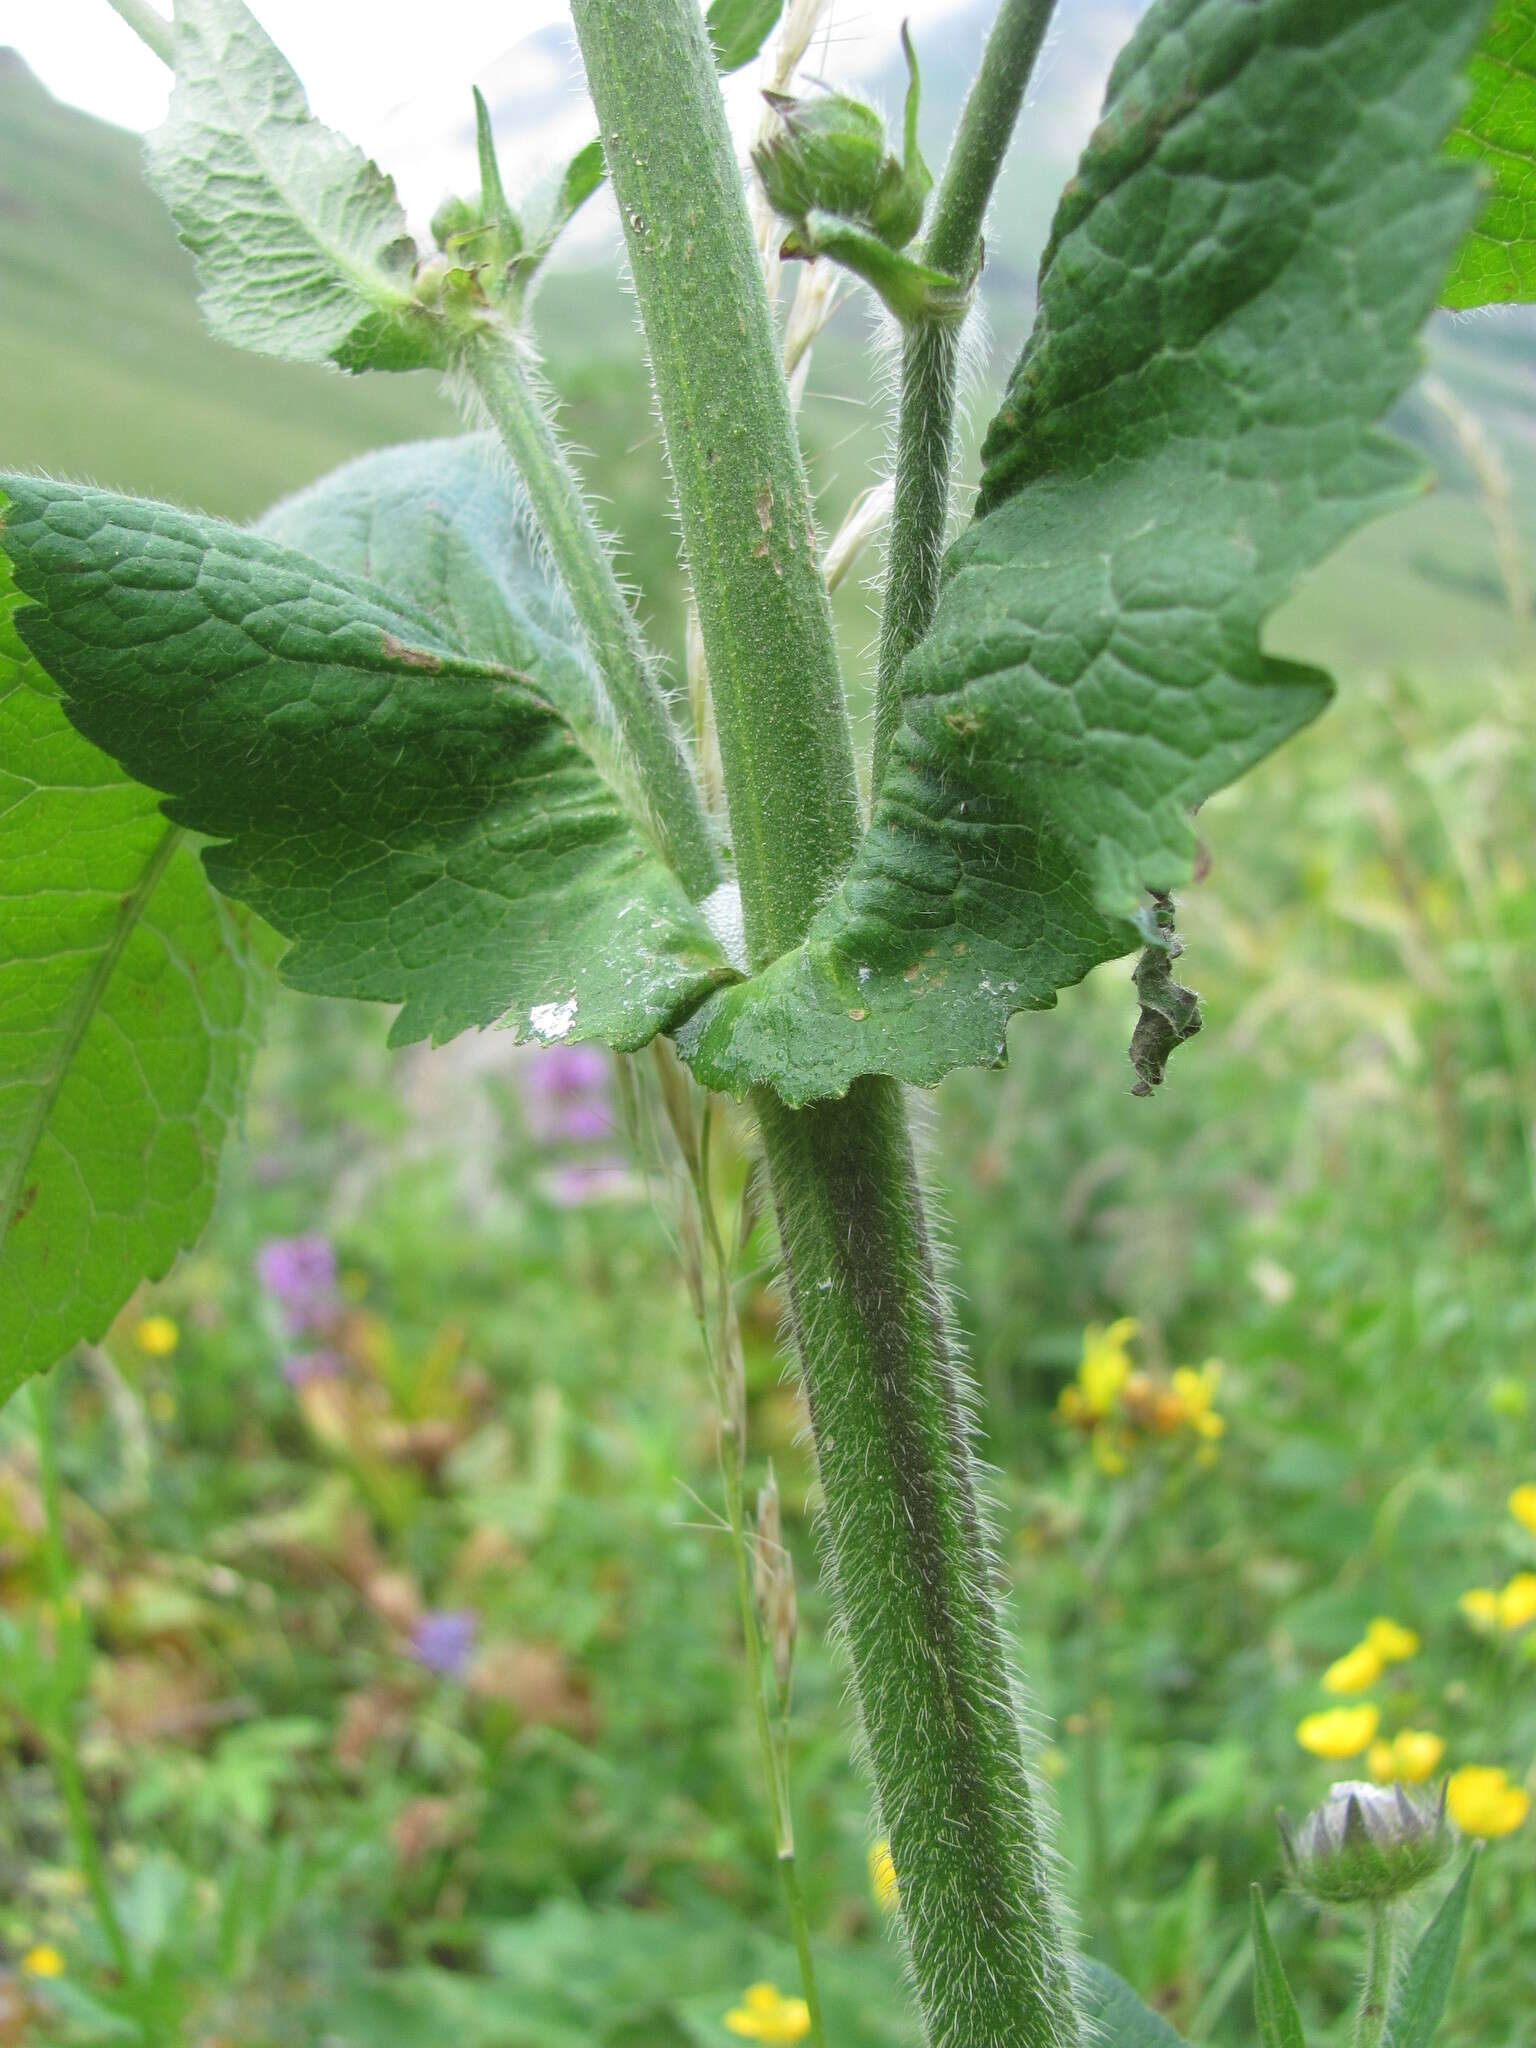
<point>299,1274</point>
<point>1483,1803</point>
<point>1522,1505</point>
<point>43,1961</point>
<point>765,2014</point>
<point>1366,1844</point>
<point>1339,1732</point>
<point>443,1641</point>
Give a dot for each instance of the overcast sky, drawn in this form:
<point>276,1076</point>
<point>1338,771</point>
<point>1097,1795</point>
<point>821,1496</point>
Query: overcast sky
<point>393,75</point>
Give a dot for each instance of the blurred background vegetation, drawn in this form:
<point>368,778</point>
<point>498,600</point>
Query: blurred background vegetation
<point>389,1622</point>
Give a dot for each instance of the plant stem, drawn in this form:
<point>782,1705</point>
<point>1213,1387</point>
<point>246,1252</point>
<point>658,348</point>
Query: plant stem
<point>1378,1979</point>
<point>497,367</point>
<point>910,1564</point>
<point>930,358</point>
<point>912,1572</point>
<point>60,1731</point>
<point>748,531</point>
<point>148,24</point>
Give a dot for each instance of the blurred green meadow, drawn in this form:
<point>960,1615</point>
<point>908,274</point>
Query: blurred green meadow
<point>381,1623</point>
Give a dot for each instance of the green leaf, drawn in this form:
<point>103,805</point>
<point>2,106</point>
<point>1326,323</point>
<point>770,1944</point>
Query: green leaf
<point>738,29</point>
<point>1273,2005</point>
<point>1419,1999</point>
<point>580,179</point>
<point>130,999</point>
<point>1229,303</point>
<point>1115,2017</point>
<point>301,245</point>
<point>398,773</point>
<point>1497,262</point>
<point>494,205</point>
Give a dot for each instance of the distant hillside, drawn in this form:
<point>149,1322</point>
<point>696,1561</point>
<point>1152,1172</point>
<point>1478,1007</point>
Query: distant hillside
<point>104,364</point>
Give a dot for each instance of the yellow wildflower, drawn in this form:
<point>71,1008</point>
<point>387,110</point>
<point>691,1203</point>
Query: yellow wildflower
<point>1482,1801</point>
<point>1339,1732</point>
<point>1106,1364</point>
<point>1196,1390</point>
<point>156,1336</point>
<point>1381,1763</point>
<point>1392,1643</point>
<point>1417,1753</point>
<point>1356,1671</point>
<point>1517,1601</point>
<point>1408,1759</point>
<point>1522,1505</point>
<point>1107,1454</point>
<point>1480,1605</point>
<point>43,1961</point>
<point>882,1876</point>
<point>765,2014</point>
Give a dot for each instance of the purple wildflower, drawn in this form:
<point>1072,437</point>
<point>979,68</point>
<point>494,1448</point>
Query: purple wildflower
<point>565,1094</point>
<point>564,1071</point>
<point>444,1640</point>
<point>300,1275</point>
<point>596,1180</point>
<point>585,1122</point>
<point>303,1368</point>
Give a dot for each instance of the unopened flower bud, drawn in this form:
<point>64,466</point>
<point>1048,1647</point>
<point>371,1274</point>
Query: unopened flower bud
<point>1367,1844</point>
<point>453,218</point>
<point>832,157</point>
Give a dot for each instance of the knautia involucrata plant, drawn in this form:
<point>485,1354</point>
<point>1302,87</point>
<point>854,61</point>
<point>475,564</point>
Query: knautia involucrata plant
<point>410,721</point>
<point>1368,1849</point>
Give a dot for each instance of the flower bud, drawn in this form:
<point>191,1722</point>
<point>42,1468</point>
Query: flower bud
<point>455,217</point>
<point>832,158</point>
<point>1367,1844</point>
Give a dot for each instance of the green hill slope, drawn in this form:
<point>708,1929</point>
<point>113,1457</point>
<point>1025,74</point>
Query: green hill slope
<point>105,370</point>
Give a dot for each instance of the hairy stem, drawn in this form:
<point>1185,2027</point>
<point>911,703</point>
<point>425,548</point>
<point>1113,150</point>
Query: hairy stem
<point>1372,2015</point>
<point>496,366</point>
<point>912,1573</point>
<point>910,1563</point>
<point>930,358</point>
<point>148,24</point>
<point>745,507</point>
